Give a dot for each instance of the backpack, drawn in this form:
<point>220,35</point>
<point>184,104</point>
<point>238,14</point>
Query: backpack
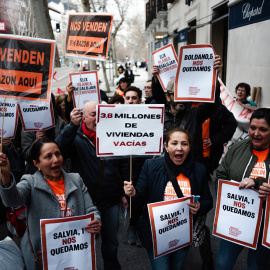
<point>16,221</point>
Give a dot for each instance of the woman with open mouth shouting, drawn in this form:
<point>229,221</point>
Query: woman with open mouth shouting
<point>49,193</point>
<point>154,185</point>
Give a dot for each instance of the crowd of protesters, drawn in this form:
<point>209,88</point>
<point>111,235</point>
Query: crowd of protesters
<point>39,166</point>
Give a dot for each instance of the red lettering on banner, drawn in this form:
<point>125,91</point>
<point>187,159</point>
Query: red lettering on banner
<point>230,104</point>
<point>246,113</point>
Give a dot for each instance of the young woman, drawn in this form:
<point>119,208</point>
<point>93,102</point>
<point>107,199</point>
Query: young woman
<point>49,193</point>
<point>154,182</point>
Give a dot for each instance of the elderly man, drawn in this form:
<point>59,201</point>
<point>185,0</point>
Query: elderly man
<point>103,178</point>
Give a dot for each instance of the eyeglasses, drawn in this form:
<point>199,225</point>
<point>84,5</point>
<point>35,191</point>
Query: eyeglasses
<point>148,87</point>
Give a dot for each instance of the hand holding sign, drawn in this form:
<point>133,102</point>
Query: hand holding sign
<point>93,226</point>
<point>129,189</point>
<point>264,191</point>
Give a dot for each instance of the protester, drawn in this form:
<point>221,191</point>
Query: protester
<point>243,91</point>
<point>217,130</point>
<point>247,162</point>
<point>133,95</point>
<point>149,99</point>
<point>129,75</point>
<point>121,71</point>
<point>153,183</point>
<point>103,178</point>
<point>123,85</point>
<point>116,99</point>
<point>39,193</point>
<point>60,106</point>
<point>181,114</point>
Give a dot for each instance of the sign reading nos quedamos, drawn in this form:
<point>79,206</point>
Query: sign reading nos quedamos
<point>88,35</point>
<point>26,67</point>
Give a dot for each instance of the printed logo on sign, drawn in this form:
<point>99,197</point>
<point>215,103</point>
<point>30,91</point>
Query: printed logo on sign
<point>173,243</point>
<point>70,268</point>
<point>193,91</point>
<point>38,124</point>
<point>234,231</point>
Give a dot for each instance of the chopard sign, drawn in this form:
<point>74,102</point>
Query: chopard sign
<point>249,11</point>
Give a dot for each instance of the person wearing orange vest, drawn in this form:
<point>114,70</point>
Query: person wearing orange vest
<point>123,85</point>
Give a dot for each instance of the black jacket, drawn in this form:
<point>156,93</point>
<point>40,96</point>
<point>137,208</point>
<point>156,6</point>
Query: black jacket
<point>222,128</point>
<point>75,144</point>
<point>151,186</point>
<point>190,119</point>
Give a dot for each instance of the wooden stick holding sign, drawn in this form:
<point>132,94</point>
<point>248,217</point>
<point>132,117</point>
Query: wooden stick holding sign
<point>130,177</point>
<point>2,128</point>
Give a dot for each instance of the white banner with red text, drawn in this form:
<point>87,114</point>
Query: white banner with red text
<point>238,214</point>
<point>171,225</point>
<point>66,245</point>
<point>129,129</point>
<point>196,76</point>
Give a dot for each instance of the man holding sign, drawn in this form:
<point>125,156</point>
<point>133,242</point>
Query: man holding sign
<point>103,178</point>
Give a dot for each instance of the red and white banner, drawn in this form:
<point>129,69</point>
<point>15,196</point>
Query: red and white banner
<point>8,114</point>
<point>196,76</point>
<point>166,59</point>
<point>86,88</point>
<point>266,232</point>
<point>238,214</point>
<point>129,129</point>
<point>36,117</point>
<point>171,225</point>
<point>66,245</point>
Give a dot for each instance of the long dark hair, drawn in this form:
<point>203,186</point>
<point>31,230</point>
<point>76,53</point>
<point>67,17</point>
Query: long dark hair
<point>36,148</point>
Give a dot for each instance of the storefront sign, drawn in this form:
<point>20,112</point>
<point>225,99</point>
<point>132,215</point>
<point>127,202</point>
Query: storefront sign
<point>248,12</point>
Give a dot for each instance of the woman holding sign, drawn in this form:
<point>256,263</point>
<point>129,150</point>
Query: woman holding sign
<point>247,162</point>
<point>49,193</point>
<point>154,185</point>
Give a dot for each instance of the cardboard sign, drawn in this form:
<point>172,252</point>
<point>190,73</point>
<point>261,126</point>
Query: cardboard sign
<point>196,76</point>
<point>36,117</point>
<point>86,88</point>
<point>238,214</point>
<point>171,225</point>
<point>88,35</point>
<point>8,114</point>
<point>129,129</point>
<point>26,67</point>
<point>266,232</point>
<point>165,58</point>
<point>66,245</point>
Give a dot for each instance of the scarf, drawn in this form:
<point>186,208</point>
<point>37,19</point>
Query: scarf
<point>90,134</point>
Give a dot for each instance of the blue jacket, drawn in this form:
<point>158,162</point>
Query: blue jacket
<point>80,149</point>
<point>151,186</point>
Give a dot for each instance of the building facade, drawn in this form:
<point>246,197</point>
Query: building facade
<point>237,29</point>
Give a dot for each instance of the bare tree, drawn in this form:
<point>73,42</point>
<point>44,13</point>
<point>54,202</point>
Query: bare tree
<point>43,23</point>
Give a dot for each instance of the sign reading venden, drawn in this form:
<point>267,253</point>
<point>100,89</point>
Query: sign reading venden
<point>129,130</point>
<point>26,67</point>
<point>88,35</point>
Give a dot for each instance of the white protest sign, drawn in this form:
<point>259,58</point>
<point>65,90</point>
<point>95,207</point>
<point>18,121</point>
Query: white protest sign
<point>165,58</point>
<point>86,88</point>
<point>238,214</point>
<point>129,129</point>
<point>66,245</point>
<point>266,232</point>
<point>36,117</point>
<point>196,76</point>
<point>8,114</point>
<point>241,112</point>
<point>171,225</point>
